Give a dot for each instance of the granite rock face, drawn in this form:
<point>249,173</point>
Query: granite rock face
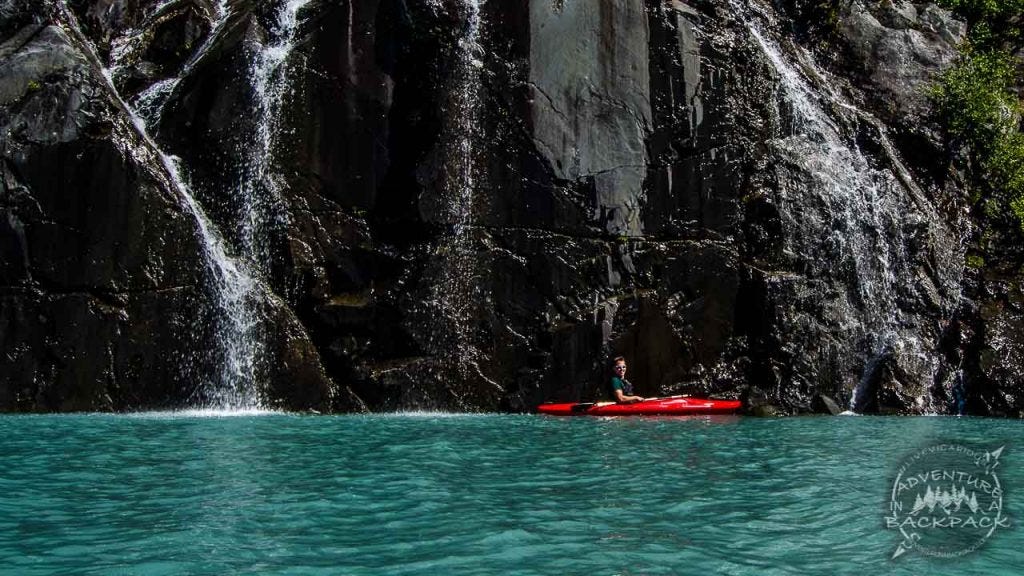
<point>472,206</point>
<point>97,267</point>
<point>590,105</point>
<point>105,294</point>
<point>898,48</point>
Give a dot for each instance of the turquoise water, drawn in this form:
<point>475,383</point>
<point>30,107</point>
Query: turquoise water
<point>432,494</point>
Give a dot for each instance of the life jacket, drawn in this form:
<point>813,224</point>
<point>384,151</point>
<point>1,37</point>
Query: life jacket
<point>627,387</point>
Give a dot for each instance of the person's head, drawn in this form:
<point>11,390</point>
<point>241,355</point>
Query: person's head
<point>619,366</point>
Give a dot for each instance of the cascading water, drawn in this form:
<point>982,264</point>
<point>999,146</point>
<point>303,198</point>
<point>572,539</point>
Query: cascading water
<point>455,294</point>
<point>257,191</point>
<point>858,225</point>
<point>236,295</point>
<point>149,103</point>
<point>234,291</point>
<point>257,200</point>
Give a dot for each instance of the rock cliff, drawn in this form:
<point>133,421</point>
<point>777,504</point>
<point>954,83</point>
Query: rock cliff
<point>463,205</point>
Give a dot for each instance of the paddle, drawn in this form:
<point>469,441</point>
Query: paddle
<point>585,406</point>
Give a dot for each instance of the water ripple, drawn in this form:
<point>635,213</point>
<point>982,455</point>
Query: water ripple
<point>175,493</point>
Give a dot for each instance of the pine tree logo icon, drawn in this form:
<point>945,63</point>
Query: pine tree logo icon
<point>947,501</point>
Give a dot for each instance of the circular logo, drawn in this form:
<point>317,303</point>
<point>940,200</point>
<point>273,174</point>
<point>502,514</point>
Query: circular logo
<point>946,501</point>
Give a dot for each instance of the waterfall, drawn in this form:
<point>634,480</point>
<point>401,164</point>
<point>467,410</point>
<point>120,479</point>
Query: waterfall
<point>857,226</point>
<point>237,295</point>
<point>861,201</point>
<point>463,118</point>
<point>257,191</point>
<point>233,288</point>
<point>456,290</point>
<point>149,104</point>
<point>239,331</point>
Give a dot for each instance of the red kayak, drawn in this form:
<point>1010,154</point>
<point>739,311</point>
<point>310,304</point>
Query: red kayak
<point>674,405</point>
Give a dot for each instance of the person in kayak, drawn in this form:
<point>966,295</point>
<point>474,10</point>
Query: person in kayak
<point>622,389</point>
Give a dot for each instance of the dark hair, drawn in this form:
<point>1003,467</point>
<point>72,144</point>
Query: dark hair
<point>617,359</point>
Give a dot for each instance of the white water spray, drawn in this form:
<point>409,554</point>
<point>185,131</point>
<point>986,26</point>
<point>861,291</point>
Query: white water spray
<point>862,216</point>
<point>456,291</point>
<point>149,104</point>
<point>235,292</point>
<point>258,191</point>
<point>454,286</point>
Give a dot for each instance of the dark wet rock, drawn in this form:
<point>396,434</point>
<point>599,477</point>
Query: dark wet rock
<point>104,294</point>
<point>988,347</point>
<point>898,47</point>
<point>16,15</point>
<point>765,411</point>
<point>826,405</point>
<point>639,190</point>
<point>757,402</point>
<point>96,274</point>
<point>159,46</point>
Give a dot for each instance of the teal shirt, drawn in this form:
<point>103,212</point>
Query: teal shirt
<point>621,384</point>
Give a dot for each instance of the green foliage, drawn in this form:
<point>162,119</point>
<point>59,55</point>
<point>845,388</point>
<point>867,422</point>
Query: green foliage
<point>991,21</point>
<point>976,99</point>
<point>1017,205</point>
<point>1007,162</point>
<point>33,86</point>
<point>984,9</point>
<point>975,261</point>
<point>979,104</point>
